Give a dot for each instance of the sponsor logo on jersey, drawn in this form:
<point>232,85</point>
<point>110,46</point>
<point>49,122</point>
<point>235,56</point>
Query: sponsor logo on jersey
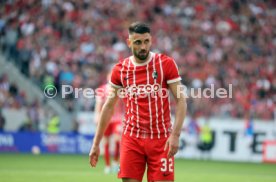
<point>142,89</point>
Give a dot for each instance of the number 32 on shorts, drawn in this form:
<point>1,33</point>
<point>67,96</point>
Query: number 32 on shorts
<point>167,165</point>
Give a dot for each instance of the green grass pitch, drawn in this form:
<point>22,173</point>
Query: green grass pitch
<point>75,168</point>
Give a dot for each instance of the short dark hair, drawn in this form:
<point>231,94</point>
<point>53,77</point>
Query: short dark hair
<point>138,27</point>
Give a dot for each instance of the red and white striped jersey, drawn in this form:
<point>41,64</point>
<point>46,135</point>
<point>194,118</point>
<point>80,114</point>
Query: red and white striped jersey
<point>147,111</point>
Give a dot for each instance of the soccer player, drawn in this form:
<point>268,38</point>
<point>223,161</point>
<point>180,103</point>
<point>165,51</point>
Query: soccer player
<point>148,137</point>
<point>113,130</point>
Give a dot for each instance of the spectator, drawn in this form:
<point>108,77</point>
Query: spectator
<point>2,122</point>
<point>213,42</point>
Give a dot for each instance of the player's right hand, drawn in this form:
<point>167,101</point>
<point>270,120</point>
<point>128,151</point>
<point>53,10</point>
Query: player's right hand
<point>94,155</point>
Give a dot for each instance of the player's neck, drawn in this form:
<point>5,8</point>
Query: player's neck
<point>136,61</point>
<point>139,61</point>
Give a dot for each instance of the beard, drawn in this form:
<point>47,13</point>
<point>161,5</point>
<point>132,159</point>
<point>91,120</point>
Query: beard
<point>142,55</point>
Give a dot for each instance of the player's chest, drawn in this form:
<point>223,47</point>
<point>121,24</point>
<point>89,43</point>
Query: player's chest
<point>141,75</point>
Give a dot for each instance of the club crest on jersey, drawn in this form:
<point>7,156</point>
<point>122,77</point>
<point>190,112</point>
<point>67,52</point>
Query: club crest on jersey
<point>154,75</point>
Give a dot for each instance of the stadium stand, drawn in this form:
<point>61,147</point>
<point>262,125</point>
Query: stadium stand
<point>217,42</point>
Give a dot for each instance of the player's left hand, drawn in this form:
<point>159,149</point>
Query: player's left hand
<point>94,155</point>
<point>172,144</point>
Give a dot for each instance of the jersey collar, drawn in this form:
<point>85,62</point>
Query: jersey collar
<point>151,55</point>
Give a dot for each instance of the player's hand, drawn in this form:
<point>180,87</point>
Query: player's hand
<point>94,155</point>
<point>172,144</point>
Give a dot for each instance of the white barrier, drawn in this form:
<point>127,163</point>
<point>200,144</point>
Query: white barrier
<point>230,142</point>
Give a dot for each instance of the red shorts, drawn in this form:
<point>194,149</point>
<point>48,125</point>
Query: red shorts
<point>137,153</point>
<point>113,127</point>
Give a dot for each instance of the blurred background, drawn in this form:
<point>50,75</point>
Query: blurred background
<point>220,42</point>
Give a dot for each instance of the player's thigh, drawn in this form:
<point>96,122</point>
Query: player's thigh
<point>132,159</point>
<point>108,130</point>
<point>106,139</point>
<point>117,129</point>
<point>160,167</point>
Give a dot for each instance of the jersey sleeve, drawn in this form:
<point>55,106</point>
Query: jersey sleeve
<point>115,79</point>
<point>171,71</point>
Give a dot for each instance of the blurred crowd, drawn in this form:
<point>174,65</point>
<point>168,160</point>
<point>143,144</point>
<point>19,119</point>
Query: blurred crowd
<point>11,97</point>
<point>218,42</point>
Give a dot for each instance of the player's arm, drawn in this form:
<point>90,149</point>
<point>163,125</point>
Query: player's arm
<point>98,108</point>
<point>181,107</point>
<point>104,118</point>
